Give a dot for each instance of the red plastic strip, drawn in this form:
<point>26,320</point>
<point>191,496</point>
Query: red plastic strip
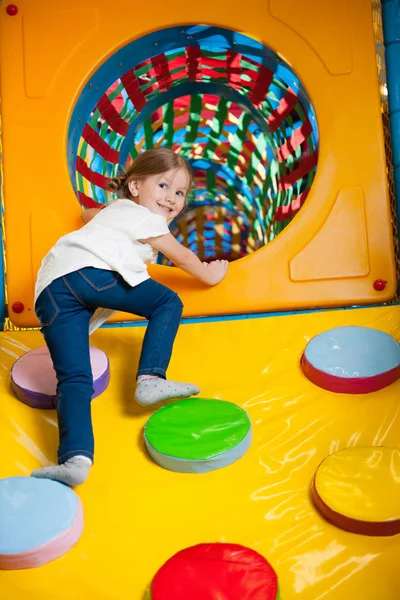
<point>297,138</point>
<point>133,90</point>
<point>215,75</point>
<point>234,73</point>
<point>264,79</point>
<point>97,143</point>
<point>162,72</point>
<point>249,85</point>
<point>283,213</point>
<point>193,54</point>
<point>177,62</point>
<point>88,202</point>
<point>111,115</point>
<point>305,167</point>
<point>213,62</point>
<point>345,385</point>
<point>96,178</point>
<point>284,109</point>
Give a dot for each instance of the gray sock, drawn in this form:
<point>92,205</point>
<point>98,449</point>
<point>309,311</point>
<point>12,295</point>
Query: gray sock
<point>74,471</point>
<point>151,391</point>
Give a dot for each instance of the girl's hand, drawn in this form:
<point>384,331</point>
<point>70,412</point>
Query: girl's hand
<point>216,271</point>
<point>209,273</point>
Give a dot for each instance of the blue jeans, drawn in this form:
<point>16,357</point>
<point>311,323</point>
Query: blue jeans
<point>64,310</point>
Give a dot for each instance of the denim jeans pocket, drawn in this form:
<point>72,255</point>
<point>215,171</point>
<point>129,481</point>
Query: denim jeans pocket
<point>46,308</point>
<point>99,279</point>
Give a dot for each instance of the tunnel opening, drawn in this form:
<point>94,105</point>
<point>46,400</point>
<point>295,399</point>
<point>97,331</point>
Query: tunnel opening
<point>230,105</point>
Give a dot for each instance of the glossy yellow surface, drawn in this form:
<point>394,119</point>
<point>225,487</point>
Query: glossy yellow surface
<point>333,250</point>
<point>362,483</point>
<point>137,514</point>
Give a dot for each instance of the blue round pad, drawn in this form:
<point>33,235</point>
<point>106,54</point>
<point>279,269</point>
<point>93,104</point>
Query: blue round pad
<point>352,354</point>
<point>40,520</point>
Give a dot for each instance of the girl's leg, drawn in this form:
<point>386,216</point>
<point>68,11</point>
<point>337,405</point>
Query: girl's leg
<point>65,325</point>
<point>163,310</point>
<point>151,300</point>
<point>164,318</point>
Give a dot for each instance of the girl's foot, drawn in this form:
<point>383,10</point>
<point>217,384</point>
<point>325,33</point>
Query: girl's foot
<point>155,389</point>
<point>74,471</point>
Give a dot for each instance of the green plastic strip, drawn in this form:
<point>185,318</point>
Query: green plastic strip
<point>168,125</point>
<point>193,125</point>
<point>238,139</point>
<point>216,128</point>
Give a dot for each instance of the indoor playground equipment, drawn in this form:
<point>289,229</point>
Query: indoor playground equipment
<point>244,574</point>
<point>352,360</point>
<point>34,382</point>
<point>39,521</point>
<point>282,480</point>
<point>221,431</point>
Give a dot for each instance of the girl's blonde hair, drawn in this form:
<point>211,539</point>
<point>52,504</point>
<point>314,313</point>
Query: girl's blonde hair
<point>151,162</point>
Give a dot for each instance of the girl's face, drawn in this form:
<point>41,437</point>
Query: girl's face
<point>163,194</point>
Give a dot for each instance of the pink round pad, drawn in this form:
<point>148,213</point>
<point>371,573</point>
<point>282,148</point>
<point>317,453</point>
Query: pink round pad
<point>34,382</point>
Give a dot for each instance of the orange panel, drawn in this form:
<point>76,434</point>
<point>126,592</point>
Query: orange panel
<point>329,44</point>
<point>46,44</point>
<point>330,254</point>
<point>318,23</point>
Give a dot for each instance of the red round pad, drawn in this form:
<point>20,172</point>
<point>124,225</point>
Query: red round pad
<point>215,572</point>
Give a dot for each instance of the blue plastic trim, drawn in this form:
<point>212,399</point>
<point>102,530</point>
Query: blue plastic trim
<point>243,317</point>
<point>391,31</point>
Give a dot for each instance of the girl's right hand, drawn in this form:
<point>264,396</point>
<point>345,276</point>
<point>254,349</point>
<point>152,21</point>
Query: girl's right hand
<point>209,273</point>
<point>216,271</point>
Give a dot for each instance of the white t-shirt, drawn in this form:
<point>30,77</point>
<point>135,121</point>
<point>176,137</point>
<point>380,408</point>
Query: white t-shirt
<point>109,241</point>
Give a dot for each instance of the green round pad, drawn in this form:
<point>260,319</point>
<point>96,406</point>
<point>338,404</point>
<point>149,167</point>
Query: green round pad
<point>198,430</point>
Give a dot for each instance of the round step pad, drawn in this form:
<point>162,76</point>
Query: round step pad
<point>40,520</point>
<point>34,382</point>
<point>197,435</point>
<point>352,360</point>
<point>215,571</point>
<point>358,490</point>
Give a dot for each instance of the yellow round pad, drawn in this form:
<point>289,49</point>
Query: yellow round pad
<point>358,489</point>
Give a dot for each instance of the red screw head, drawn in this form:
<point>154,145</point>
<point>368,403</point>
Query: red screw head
<point>379,285</point>
<point>12,10</point>
<point>18,307</point>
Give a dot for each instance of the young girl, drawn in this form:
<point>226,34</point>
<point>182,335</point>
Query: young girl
<point>104,264</point>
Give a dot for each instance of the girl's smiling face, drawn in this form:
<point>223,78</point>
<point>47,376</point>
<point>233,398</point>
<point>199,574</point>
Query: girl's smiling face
<point>162,194</point>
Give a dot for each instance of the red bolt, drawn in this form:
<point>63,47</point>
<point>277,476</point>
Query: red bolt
<point>12,10</point>
<point>379,285</point>
<point>18,307</point>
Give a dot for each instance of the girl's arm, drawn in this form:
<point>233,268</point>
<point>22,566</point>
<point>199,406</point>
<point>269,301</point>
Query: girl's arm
<point>88,214</point>
<point>209,273</point>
